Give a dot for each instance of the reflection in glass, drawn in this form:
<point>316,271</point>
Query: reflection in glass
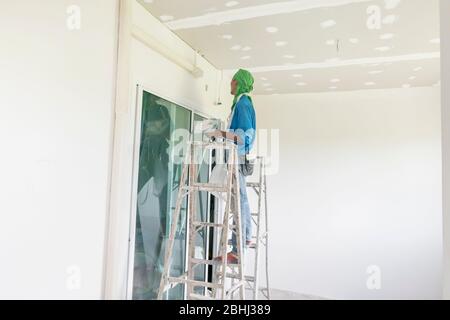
<point>158,181</point>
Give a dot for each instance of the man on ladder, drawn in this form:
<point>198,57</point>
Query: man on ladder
<point>242,129</point>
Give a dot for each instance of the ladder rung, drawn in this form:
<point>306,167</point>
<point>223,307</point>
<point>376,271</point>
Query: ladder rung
<point>262,236</point>
<point>206,187</point>
<point>214,145</point>
<point>195,283</point>
<point>211,262</point>
<point>252,245</point>
<point>208,224</point>
<point>230,242</point>
<point>235,276</point>
<point>253,184</point>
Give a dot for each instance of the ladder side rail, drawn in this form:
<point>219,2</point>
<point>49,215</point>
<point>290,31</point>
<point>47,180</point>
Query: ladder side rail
<point>191,217</point>
<point>239,232</point>
<point>225,230</point>
<point>258,236</point>
<point>173,228</point>
<point>266,214</point>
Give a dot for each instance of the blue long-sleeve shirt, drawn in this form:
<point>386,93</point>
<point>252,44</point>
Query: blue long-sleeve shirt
<point>243,124</point>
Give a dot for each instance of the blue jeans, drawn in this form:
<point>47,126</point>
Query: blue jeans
<point>246,216</point>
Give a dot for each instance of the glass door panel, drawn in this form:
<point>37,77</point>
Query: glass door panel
<point>158,182</point>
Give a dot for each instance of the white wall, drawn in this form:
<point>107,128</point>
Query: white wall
<point>359,184</point>
<point>56,108</point>
<point>445,67</point>
<point>165,78</point>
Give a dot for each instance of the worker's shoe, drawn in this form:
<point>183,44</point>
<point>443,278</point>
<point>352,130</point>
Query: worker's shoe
<point>250,244</point>
<point>231,258</point>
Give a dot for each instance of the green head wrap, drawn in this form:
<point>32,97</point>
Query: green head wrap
<point>245,83</point>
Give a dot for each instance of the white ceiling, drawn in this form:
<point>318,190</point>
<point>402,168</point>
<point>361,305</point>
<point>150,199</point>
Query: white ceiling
<point>313,45</point>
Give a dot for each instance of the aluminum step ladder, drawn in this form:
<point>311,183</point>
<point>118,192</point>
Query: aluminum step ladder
<point>220,287</point>
<point>262,236</point>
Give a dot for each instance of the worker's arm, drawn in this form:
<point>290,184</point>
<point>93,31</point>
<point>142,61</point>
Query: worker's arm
<point>226,135</point>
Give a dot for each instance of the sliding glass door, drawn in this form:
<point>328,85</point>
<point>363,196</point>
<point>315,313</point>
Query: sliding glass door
<point>157,189</point>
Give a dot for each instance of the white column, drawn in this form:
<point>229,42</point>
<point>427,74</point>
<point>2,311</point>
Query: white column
<point>115,279</point>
